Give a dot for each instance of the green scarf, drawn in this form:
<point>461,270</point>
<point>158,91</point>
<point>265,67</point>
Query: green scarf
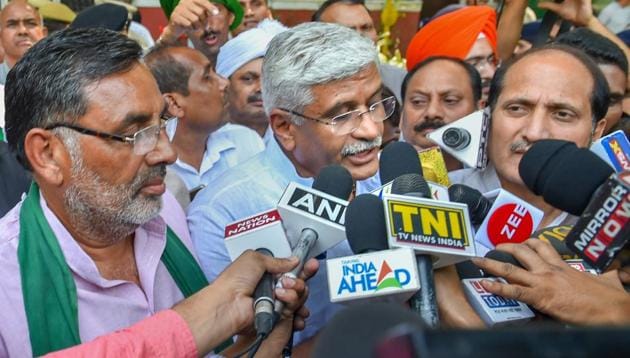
<point>50,294</point>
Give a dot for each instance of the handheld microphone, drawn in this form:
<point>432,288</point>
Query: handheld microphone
<point>493,309</point>
<point>263,230</point>
<point>314,218</point>
<point>602,198</point>
<point>375,272</point>
<point>400,158</point>
<point>264,302</point>
<point>478,205</point>
<point>509,220</point>
<point>439,228</point>
<point>614,149</point>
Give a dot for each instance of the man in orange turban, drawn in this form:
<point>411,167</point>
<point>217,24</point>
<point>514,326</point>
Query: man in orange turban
<point>469,33</point>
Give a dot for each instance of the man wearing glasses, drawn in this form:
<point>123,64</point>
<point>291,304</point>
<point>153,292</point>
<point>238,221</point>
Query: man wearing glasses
<point>322,93</point>
<point>97,244</point>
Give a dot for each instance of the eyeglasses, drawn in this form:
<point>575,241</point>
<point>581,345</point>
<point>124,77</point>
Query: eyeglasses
<point>143,140</point>
<point>480,62</point>
<point>348,122</point>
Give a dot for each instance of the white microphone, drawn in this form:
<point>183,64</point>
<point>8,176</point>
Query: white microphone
<point>375,272</point>
<point>510,220</point>
<point>261,231</point>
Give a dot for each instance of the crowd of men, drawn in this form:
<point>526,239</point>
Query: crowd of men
<point>123,165</point>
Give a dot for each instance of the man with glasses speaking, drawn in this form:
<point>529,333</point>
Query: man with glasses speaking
<point>321,90</point>
<point>97,244</point>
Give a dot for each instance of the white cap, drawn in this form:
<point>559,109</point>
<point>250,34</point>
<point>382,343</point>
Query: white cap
<point>247,46</point>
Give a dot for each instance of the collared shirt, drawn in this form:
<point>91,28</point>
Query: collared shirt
<point>104,305</point>
<point>485,180</point>
<point>4,71</point>
<point>268,137</point>
<point>245,190</point>
<point>226,147</point>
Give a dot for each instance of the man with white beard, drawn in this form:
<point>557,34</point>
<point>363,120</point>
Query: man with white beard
<point>97,245</point>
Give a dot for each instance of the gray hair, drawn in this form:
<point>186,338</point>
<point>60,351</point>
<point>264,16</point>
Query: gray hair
<point>307,55</point>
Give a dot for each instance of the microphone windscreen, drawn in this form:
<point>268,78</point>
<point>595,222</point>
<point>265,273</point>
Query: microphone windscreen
<point>565,175</point>
<point>356,330</point>
<point>503,256</point>
<point>334,180</point>
<point>365,224</point>
<point>478,205</point>
<point>398,158</point>
<point>411,184</point>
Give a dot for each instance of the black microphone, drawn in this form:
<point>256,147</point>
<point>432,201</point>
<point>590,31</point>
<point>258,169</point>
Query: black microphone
<point>566,176</point>
<point>577,181</point>
<point>396,159</point>
<point>264,302</point>
<point>424,301</point>
<point>478,205</point>
<point>334,180</point>
<point>365,224</point>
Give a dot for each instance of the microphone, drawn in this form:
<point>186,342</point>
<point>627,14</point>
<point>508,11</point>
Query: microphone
<point>465,139</point>
<point>614,149</point>
<point>314,218</point>
<point>601,197</point>
<point>439,228</point>
<point>264,302</point>
<point>375,272</point>
<point>399,158</point>
<point>509,219</point>
<point>263,230</point>
<point>478,205</point>
<point>493,309</point>
<point>414,209</point>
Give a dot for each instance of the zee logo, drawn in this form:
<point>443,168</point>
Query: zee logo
<point>510,223</point>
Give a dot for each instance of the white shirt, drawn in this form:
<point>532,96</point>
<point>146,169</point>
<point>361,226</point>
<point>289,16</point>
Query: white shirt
<point>615,17</point>
<point>225,148</point>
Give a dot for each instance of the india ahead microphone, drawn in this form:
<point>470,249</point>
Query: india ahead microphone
<point>602,199</point>
<point>375,272</point>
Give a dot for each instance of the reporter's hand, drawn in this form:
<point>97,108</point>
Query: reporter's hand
<point>294,314</point>
<point>188,16</point>
<point>578,12</point>
<point>455,311</point>
<point>553,287</point>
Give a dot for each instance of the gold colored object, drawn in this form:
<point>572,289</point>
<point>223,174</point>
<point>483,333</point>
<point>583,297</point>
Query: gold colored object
<point>388,50</point>
<point>433,166</point>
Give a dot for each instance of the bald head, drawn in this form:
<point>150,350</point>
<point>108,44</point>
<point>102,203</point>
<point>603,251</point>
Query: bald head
<point>20,28</point>
<point>560,66</point>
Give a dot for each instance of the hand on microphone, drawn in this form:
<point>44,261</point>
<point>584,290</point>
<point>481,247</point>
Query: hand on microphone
<point>235,288</point>
<point>553,287</point>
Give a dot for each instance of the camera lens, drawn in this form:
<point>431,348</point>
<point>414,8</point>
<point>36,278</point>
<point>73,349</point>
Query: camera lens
<point>456,138</point>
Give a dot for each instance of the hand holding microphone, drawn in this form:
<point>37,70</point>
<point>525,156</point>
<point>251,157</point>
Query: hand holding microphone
<point>553,287</point>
